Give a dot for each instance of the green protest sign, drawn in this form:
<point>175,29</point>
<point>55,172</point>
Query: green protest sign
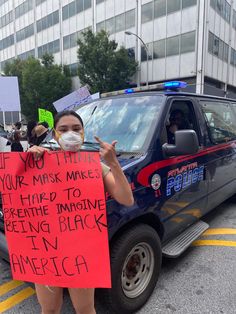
<point>45,115</point>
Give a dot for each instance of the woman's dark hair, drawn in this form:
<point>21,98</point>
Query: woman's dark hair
<point>61,114</point>
<point>30,127</point>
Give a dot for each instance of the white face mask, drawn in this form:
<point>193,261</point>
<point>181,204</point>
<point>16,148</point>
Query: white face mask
<point>71,141</point>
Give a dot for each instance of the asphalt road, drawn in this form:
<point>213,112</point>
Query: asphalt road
<point>202,280</point>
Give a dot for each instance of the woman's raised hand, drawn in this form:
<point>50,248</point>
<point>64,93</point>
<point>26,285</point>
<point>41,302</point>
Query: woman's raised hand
<point>107,151</point>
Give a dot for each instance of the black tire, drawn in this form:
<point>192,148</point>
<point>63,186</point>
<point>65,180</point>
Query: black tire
<point>144,239</point>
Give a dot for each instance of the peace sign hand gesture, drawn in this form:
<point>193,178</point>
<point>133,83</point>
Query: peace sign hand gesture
<point>107,151</point>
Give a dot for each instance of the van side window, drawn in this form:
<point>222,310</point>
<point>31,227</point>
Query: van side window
<point>220,120</point>
<point>181,117</point>
<point>234,109</point>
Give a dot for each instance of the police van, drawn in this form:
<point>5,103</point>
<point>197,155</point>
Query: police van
<point>178,151</point>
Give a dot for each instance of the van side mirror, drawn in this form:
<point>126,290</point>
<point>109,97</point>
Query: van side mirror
<point>186,143</point>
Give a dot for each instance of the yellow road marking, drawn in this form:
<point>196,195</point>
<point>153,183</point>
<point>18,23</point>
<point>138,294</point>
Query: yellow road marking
<point>16,299</point>
<point>8,286</point>
<point>193,212</point>
<point>213,243</point>
<point>217,231</point>
<point>177,219</point>
<point>169,210</point>
<point>179,204</point>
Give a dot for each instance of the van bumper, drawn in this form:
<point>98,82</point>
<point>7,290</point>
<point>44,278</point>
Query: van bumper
<point>3,247</point>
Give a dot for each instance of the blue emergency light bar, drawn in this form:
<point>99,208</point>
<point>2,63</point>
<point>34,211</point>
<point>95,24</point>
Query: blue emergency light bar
<point>129,91</point>
<point>172,85</point>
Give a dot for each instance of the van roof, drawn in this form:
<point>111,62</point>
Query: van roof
<point>169,93</point>
<point>169,88</point>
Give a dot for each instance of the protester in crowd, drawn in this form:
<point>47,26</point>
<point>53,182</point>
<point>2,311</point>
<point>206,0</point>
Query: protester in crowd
<point>15,136</point>
<point>30,135</point>
<point>69,133</point>
<point>45,124</point>
<point>39,132</point>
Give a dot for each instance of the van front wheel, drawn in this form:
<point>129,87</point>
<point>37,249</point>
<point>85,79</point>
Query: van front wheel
<point>135,267</point>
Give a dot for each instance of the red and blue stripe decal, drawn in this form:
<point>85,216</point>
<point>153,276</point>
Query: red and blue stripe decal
<point>144,174</point>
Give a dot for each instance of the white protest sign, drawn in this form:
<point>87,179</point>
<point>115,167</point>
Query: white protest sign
<point>9,94</point>
<point>95,96</point>
<point>73,100</point>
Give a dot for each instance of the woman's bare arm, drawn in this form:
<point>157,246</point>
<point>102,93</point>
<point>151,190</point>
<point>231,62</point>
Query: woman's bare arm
<point>116,183</point>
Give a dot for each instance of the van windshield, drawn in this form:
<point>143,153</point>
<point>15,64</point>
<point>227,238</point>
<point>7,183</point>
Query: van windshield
<point>129,120</point>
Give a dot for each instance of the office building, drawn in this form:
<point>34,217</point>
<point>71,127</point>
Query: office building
<point>192,40</point>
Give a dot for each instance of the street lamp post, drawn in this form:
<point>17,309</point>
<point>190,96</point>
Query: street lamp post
<point>145,46</point>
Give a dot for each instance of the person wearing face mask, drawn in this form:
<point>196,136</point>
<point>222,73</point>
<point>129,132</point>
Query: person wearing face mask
<point>70,141</point>
<point>69,133</point>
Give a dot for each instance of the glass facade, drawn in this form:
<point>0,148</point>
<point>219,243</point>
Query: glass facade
<point>50,48</point>
<point>27,54</point>
<point>170,46</point>
<point>48,21</point>
<point>7,42</point>
<point>10,117</point>
<point>46,34</point>
<point>3,63</point>
<point>3,1</point>
<point>234,19</point>
<point>147,12</point>
<point>70,41</point>
<point>38,2</point>
<point>218,47</point>
<point>73,68</point>
<point>129,19</point>
<point>6,19</point>
<point>118,23</point>
<point>222,7</point>
<point>23,8</point>
<point>233,57</point>
<point>159,49</point>
<point>173,6</point>
<point>187,42</point>
<point>158,8</point>
<point>25,33</point>
<point>75,7</point>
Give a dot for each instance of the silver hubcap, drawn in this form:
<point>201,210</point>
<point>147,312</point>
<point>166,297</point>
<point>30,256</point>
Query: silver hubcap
<point>137,270</point>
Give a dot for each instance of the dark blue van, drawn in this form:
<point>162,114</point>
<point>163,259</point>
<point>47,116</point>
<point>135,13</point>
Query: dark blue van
<point>178,151</point>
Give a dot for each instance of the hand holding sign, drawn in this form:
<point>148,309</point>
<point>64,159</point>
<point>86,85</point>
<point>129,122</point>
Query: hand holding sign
<point>107,151</point>
<point>37,151</point>
<point>55,218</point>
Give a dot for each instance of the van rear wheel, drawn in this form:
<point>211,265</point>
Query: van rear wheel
<point>135,267</point>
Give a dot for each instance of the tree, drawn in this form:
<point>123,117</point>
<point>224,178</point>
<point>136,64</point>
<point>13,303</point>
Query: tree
<point>40,83</point>
<point>101,65</point>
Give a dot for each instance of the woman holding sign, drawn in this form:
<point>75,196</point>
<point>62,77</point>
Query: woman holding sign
<point>69,133</point>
